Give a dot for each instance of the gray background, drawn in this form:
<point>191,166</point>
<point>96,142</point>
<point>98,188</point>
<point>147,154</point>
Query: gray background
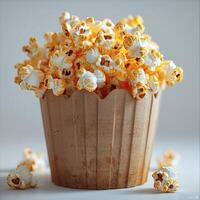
<point>173,24</point>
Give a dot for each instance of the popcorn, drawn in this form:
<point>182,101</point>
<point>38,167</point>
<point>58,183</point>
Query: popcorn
<point>30,78</point>
<point>136,45</point>
<point>96,55</point>
<point>60,61</point>
<point>33,161</point>
<point>106,39</point>
<point>169,158</point>
<point>21,178</point>
<point>89,21</point>
<point>176,75</point>
<point>171,73</point>
<point>154,84</point>
<point>87,81</point>
<point>138,76</point>
<point>105,63</point>
<point>32,49</point>
<point>81,33</point>
<point>65,23</point>
<point>58,86</point>
<point>92,55</point>
<point>119,69</point>
<point>151,59</point>
<point>101,78</point>
<point>139,90</point>
<point>171,185</point>
<point>107,25</point>
<point>134,24</point>
<point>81,62</point>
<point>165,179</point>
<point>55,40</point>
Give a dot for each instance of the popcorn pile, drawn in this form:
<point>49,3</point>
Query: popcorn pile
<point>97,56</point>
<point>165,179</point>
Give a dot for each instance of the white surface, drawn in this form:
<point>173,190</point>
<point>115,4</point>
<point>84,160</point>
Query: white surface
<point>188,169</point>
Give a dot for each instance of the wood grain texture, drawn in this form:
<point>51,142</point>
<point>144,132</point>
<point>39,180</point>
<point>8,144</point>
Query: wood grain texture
<point>99,143</point>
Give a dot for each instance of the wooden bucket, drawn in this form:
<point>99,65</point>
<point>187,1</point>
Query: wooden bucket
<point>98,143</point>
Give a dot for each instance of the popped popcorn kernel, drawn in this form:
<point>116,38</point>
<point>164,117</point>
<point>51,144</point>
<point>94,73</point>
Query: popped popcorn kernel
<point>33,161</point>
<point>171,185</point>
<point>111,55</point>
<point>165,179</point>
<point>21,178</point>
<point>154,84</point>
<point>58,86</point>
<point>101,78</point>
<point>60,60</point>
<point>87,81</point>
<point>106,39</point>
<point>169,158</point>
<point>92,55</point>
<point>151,59</point>
<point>138,76</point>
<point>139,90</point>
<point>65,23</point>
<point>30,78</point>
<point>105,63</point>
<point>32,48</point>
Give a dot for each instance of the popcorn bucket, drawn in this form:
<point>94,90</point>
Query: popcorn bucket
<point>98,143</point>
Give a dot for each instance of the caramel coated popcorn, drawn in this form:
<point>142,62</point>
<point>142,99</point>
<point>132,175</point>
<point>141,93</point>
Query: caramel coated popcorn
<point>165,180</point>
<point>97,56</point>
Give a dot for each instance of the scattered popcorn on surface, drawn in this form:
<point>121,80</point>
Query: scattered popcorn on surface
<point>21,178</point>
<point>165,180</point>
<point>169,158</point>
<point>111,55</point>
<point>33,161</point>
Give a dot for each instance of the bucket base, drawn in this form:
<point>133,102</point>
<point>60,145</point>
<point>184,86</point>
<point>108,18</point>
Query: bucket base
<point>95,187</point>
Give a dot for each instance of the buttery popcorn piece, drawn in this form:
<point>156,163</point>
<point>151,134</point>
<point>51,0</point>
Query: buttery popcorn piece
<point>33,161</point>
<point>139,90</point>
<point>58,86</point>
<point>61,61</point>
<point>138,76</point>
<point>169,158</point>
<point>100,77</point>
<point>87,81</point>
<point>105,63</point>
<point>165,179</point>
<point>136,45</point>
<point>21,178</point>
<point>30,77</point>
<point>151,59</point>
<point>92,55</point>
<point>32,48</point>
<point>171,72</point>
<point>154,84</point>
